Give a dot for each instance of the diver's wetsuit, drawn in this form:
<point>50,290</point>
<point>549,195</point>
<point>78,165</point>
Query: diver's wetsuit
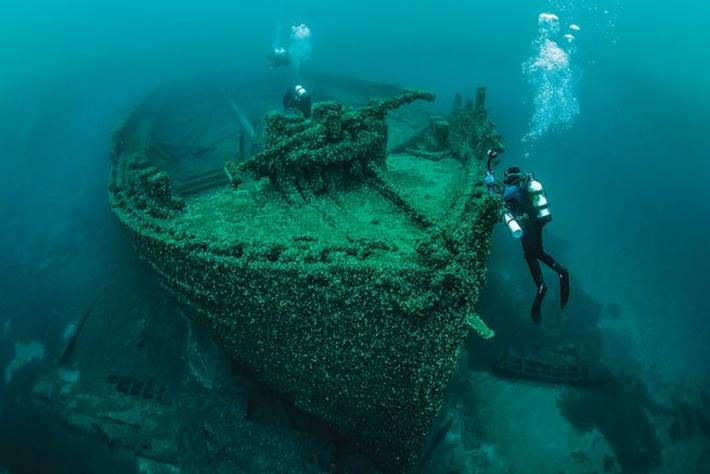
<point>519,204</point>
<point>534,251</point>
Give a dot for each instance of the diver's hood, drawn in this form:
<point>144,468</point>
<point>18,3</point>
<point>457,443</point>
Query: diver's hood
<point>512,175</point>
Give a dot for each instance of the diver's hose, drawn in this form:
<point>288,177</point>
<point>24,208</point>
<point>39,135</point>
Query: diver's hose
<point>492,155</point>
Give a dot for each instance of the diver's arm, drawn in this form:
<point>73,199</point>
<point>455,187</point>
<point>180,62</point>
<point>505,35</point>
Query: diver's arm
<point>493,184</point>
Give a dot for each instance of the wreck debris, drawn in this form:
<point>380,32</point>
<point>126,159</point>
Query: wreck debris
<point>551,366</point>
<point>68,351</point>
<point>147,389</point>
<point>471,133</point>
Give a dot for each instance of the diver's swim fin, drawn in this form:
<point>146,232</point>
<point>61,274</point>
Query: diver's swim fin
<point>536,312</point>
<point>564,287</point>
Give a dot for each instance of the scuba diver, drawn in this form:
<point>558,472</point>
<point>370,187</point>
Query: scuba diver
<point>526,213</point>
<point>279,57</point>
<point>295,53</point>
<point>298,98</point>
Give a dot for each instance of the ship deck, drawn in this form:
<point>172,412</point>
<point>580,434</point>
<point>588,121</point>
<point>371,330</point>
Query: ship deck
<point>254,213</point>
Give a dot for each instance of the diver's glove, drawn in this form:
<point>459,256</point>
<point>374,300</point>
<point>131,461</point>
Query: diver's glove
<point>490,180</point>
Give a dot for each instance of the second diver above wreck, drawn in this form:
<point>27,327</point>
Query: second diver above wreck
<point>342,265</point>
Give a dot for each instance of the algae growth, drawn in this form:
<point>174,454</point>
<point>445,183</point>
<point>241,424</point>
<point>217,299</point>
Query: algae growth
<point>342,272</point>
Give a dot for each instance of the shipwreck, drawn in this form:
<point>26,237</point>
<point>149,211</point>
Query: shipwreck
<point>338,258</point>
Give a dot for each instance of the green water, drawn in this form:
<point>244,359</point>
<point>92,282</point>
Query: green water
<point>620,142</point>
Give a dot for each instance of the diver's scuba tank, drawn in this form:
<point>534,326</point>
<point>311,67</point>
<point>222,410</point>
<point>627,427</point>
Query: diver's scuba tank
<point>513,225</point>
<point>539,201</point>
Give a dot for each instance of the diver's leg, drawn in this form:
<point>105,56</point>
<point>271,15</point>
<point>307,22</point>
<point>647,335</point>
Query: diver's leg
<point>531,243</point>
<point>564,286</point>
<point>530,246</point>
<point>561,271</point>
